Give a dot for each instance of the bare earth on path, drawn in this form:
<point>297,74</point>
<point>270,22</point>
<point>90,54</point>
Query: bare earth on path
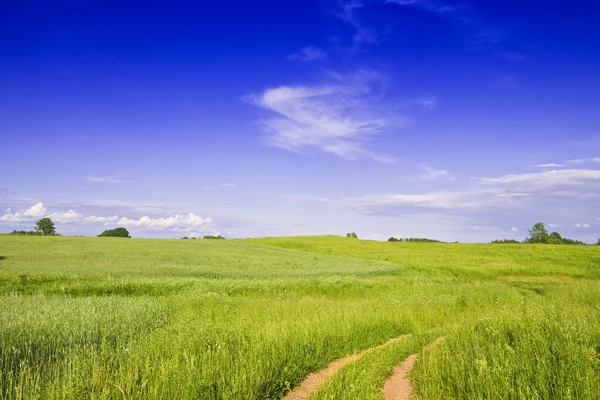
<point>398,387</point>
<point>314,380</point>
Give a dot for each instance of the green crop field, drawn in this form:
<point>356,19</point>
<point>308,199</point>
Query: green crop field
<point>110,318</point>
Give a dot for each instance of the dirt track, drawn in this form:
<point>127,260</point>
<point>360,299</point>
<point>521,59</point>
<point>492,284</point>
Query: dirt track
<point>314,380</point>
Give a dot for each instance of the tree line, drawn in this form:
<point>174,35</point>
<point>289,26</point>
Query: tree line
<point>424,240</point>
<point>539,234</point>
<point>219,237</point>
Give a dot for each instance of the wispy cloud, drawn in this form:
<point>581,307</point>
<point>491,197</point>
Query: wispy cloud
<point>433,174</point>
<point>308,53</point>
<point>338,117</point>
<point>465,19</point>
<point>555,177</point>
<point>307,197</point>
<point>106,179</point>
<point>512,196</point>
<point>363,34</point>
<point>228,184</point>
<point>581,225</point>
<point>514,229</point>
<point>584,160</point>
<point>549,165</point>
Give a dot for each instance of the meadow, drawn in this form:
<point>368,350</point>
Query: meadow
<point>111,318</point>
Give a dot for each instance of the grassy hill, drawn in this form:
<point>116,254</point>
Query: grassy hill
<point>249,319</point>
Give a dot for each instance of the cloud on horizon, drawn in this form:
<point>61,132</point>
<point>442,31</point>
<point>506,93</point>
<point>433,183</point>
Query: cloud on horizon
<point>177,223</point>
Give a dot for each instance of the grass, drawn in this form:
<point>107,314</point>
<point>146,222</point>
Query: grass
<point>106,318</point>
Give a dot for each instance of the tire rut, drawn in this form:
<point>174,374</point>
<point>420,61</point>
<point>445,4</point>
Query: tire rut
<point>315,379</point>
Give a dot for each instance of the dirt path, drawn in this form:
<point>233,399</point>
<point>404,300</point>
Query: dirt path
<point>314,380</point>
<point>397,387</point>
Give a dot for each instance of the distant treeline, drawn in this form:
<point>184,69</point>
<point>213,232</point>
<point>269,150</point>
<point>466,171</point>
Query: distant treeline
<point>26,233</point>
<point>425,240</point>
<point>206,237</point>
<point>539,234</point>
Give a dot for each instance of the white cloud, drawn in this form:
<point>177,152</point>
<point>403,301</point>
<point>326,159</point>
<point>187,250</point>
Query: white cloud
<point>550,165</point>
<point>514,229</point>
<point>337,118</point>
<point>433,174</point>
<point>106,179</point>
<point>8,210</point>
<point>555,177</point>
<point>178,222</point>
<point>308,53</point>
<point>65,217</point>
<point>228,184</point>
<point>584,160</point>
<point>554,225</point>
<point>582,225</point>
<point>36,211</point>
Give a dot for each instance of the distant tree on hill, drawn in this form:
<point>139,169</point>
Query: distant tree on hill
<point>555,238</point>
<point>598,242</point>
<point>117,232</point>
<point>45,227</point>
<point>352,235</point>
<point>505,241</point>
<point>185,237</point>
<point>538,234</point>
<point>193,237</point>
<point>213,237</point>
<point>572,241</point>
<point>422,240</point>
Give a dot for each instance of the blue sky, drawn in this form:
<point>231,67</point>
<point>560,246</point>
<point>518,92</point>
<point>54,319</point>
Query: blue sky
<point>456,120</point>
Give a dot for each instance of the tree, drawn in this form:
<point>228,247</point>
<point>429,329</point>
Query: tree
<point>555,238</point>
<point>598,242</point>
<point>45,227</point>
<point>352,235</point>
<point>117,232</point>
<point>538,234</point>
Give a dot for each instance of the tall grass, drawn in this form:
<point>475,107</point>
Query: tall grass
<point>138,319</point>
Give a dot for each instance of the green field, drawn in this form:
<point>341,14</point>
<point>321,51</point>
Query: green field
<point>109,318</point>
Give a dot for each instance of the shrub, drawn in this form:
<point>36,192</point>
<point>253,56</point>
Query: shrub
<point>117,232</point>
<point>352,235</point>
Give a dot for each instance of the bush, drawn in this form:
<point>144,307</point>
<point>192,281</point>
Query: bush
<point>117,232</point>
<point>352,235</point>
